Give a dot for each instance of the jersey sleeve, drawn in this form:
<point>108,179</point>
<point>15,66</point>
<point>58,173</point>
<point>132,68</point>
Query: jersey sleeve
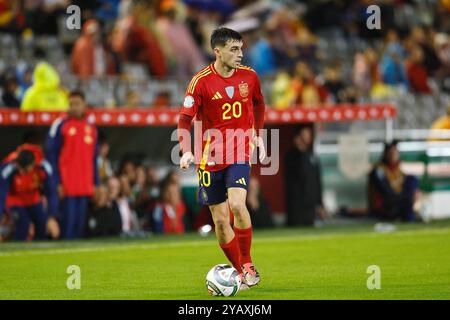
<point>53,147</point>
<point>7,172</point>
<point>192,99</point>
<point>258,105</point>
<point>50,188</point>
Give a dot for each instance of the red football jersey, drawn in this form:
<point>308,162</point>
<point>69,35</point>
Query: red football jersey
<point>224,109</point>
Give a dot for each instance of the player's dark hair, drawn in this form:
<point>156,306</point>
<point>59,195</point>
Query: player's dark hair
<point>77,93</point>
<point>25,158</point>
<point>220,36</point>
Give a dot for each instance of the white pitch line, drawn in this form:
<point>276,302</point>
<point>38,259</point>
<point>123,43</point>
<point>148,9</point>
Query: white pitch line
<point>207,242</point>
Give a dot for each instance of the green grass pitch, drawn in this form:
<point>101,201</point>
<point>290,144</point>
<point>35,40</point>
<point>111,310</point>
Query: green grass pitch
<point>326,263</point>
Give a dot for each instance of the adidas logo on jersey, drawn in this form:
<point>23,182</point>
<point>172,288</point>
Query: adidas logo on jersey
<point>241,181</point>
<point>217,96</point>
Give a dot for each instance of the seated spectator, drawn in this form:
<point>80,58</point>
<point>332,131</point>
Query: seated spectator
<point>391,192</point>
<point>45,94</point>
<point>334,84</point>
<point>104,164</point>
<point>10,96</point>
<point>309,93</point>
<point>259,210</point>
<point>104,216</point>
<point>417,73</point>
<point>442,123</point>
<point>162,100</point>
<point>365,71</point>
<point>169,212</point>
<point>117,195</point>
<point>283,95</point>
<point>132,100</point>
<point>392,68</point>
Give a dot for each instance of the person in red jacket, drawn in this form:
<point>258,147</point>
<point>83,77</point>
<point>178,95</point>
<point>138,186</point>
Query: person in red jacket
<point>23,176</point>
<point>72,151</point>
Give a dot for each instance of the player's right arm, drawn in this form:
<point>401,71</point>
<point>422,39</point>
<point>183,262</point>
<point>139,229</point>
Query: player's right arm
<point>53,148</point>
<point>7,172</point>
<point>192,102</point>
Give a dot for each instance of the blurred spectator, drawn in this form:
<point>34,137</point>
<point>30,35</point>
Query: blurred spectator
<point>283,94</point>
<point>417,73</point>
<point>72,149</point>
<point>43,15</point>
<point>334,84</point>
<point>139,195</point>
<point>162,99</point>
<point>309,93</point>
<point>168,214</point>
<point>136,43</point>
<point>89,55</point>
<point>132,100</point>
<point>391,192</point>
<point>108,9</point>
<point>10,93</point>
<point>188,57</point>
<point>431,61</point>
<point>365,71</point>
<point>442,123</point>
<point>25,80</point>
<point>45,94</point>
<point>442,43</point>
<point>104,217</point>
<point>104,164</point>
<point>392,69</point>
<point>258,208</point>
<point>127,169</point>
<point>262,56</point>
<point>12,17</point>
<point>118,192</point>
<point>152,182</point>
<point>306,47</point>
<point>303,180</point>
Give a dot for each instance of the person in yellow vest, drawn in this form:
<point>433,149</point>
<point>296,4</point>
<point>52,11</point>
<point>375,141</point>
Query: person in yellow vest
<point>442,123</point>
<point>45,94</point>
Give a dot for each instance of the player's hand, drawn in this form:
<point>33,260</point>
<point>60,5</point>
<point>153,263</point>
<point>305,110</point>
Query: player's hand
<point>53,228</point>
<point>60,191</point>
<point>262,149</point>
<point>186,160</point>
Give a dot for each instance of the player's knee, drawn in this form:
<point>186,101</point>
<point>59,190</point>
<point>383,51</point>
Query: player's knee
<point>221,221</point>
<point>237,207</point>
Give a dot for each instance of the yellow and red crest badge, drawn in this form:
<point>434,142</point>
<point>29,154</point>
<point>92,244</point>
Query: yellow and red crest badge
<point>243,90</point>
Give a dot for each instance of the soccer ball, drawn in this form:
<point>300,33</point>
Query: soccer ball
<point>223,280</point>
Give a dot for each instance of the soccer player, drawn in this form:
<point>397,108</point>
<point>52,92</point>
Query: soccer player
<point>225,96</point>
<point>23,175</point>
<point>72,150</point>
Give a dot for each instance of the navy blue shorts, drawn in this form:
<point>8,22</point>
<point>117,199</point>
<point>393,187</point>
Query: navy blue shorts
<point>214,184</point>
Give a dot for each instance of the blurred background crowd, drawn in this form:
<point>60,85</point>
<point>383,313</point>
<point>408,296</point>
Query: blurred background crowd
<point>132,53</point>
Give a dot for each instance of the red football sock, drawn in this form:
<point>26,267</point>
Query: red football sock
<point>244,237</point>
<point>231,250</point>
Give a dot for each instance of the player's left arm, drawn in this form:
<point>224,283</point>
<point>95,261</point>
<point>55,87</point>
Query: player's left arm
<point>258,114</point>
<point>95,161</point>
<point>7,172</point>
<point>50,188</point>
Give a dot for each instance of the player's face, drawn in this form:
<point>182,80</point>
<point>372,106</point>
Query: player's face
<point>77,106</point>
<point>230,54</point>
